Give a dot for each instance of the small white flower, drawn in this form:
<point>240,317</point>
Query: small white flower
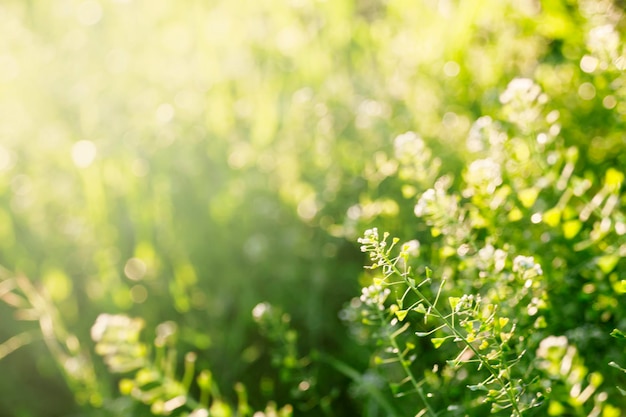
<point>114,327</point>
<point>484,134</point>
<point>603,41</point>
<point>523,90</point>
<point>261,310</point>
<point>375,296</point>
<point>526,265</point>
<point>436,202</point>
<point>484,175</point>
<point>550,343</point>
<point>523,101</point>
<point>425,201</point>
<point>408,146</point>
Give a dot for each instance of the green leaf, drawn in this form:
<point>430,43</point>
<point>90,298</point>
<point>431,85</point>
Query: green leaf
<point>515,214</point>
<point>552,217</point>
<point>420,308</point>
<point>503,321</point>
<point>618,334</point>
<point>493,394</point>
<point>126,386</point>
<point>613,179</point>
<point>571,228</point>
<point>454,301</point>
<point>401,314</point>
<point>438,341</point>
<point>615,365</point>
<point>446,252</point>
<point>607,263</point>
<point>205,380</point>
<point>528,196</point>
<point>395,388</point>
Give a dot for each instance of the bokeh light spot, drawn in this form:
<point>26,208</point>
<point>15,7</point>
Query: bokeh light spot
<point>307,209</point>
<point>164,113</point>
<point>6,159</point>
<point>451,69</point>
<point>589,63</point>
<point>9,68</point>
<point>84,153</point>
<point>140,167</point>
<point>138,294</point>
<point>135,269</point>
<point>89,13</point>
<point>587,91</point>
<point>609,102</point>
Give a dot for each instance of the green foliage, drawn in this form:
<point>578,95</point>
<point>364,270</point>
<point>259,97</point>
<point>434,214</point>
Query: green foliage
<point>166,168</point>
<point>481,335</point>
<point>155,382</point>
<point>618,335</point>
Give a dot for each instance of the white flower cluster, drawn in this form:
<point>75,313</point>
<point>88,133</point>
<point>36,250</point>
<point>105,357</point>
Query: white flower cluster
<point>425,203</point>
<point>370,237</point>
<point>603,42</point>
<point>490,257</point>
<point>467,301</point>
<point>116,328</point>
<point>117,341</point>
<point>523,100</point>
<point>526,266</point>
<point>485,134</point>
<point>260,311</point>
<point>483,176</point>
<point>521,90</point>
<point>370,242</point>
<point>408,147</point>
<point>375,295</point>
<point>552,344</point>
<point>435,201</point>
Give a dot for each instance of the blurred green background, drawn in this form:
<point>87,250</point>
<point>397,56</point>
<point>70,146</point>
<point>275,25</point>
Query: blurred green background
<point>186,160</point>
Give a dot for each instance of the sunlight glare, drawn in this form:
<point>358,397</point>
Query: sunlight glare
<point>84,153</point>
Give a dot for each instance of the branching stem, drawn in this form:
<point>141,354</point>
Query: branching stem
<point>435,311</point>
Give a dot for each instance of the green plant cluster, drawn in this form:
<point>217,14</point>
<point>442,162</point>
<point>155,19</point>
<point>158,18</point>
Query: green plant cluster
<point>185,188</point>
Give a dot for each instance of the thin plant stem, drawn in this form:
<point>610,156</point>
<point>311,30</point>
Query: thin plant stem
<point>433,308</point>
<point>405,365</point>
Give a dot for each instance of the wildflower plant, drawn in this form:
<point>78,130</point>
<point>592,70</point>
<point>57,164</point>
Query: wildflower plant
<point>152,378</point>
<point>33,304</point>
<point>618,334</point>
<point>574,388</point>
<point>490,140</point>
<point>483,338</point>
<point>519,227</point>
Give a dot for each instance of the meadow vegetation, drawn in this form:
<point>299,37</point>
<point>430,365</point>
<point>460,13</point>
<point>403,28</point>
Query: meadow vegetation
<point>312,208</point>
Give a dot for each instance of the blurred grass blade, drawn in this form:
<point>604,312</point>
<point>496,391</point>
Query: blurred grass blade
<point>16,342</point>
